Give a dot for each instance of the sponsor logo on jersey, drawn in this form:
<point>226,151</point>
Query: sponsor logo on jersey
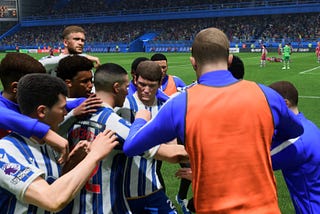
<point>10,168</point>
<point>21,176</point>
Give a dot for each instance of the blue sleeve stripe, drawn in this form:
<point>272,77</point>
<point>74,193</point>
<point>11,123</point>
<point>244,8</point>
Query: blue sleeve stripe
<point>23,147</point>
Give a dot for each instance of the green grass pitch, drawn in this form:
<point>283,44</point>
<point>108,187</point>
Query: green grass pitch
<point>304,73</point>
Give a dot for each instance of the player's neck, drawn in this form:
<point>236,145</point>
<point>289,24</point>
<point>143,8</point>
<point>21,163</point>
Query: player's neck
<point>148,103</point>
<point>295,110</point>
<point>9,96</point>
<point>107,98</point>
<point>211,67</point>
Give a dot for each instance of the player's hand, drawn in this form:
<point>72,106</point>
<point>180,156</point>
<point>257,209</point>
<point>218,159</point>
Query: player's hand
<point>95,60</point>
<point>80,150</point>
<point>103,144</point>
<point>77,154</point>
<point>185,173</point>
<point>59,144</point>
<point>89,106</point>
<point>143,114</point>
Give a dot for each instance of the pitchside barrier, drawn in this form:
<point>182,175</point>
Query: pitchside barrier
<point>158,48</point>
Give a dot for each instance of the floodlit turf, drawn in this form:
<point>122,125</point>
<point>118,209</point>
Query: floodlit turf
<point>304,73</point>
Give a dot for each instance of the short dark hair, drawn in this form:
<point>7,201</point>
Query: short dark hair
<point>287,90</point>
<point>69,66</point>
<point>136,62</point>
<point>158,57</point>
<point>236,67</point>
<point>39,89</point>
<point>149,70</point>
<point>15,65</point>
<point>107,74</point>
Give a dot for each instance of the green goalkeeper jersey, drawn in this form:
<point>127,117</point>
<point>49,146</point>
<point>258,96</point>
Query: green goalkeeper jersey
<point>286,51</point>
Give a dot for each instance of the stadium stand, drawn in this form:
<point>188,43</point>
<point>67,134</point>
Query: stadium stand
<point>172,34</point>
<point>5,26</point>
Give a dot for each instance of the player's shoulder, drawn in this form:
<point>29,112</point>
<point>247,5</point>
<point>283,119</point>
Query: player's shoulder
<point>12,144</point>
<point>45,57</point>
<point>49,58</point>
<point>107,114</point>
<point>176,77</point>
<point>178,81</point>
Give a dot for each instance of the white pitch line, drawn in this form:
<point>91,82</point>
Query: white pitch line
<point>306,71</point>
<point>310,97</point>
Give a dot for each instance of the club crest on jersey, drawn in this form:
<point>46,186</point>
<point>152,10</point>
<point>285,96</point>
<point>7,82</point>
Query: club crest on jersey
<point>11,168</point>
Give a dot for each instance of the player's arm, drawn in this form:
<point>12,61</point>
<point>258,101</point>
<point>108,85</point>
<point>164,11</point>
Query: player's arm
<point>179,82</point>
<point>172,153</point>
<point>26,126</point>
<point>287,124</point>
<point>94,59</point>
<point>59,144</point>
<point>162,96</point>
<point>76,155</point>
<point>160,129</point>
<point>56,196</point>
<point>80,108</point>
<point>88,106</point>
<point>288,154</point>
<point>52,62</point>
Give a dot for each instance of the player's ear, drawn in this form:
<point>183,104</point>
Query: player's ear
<point>68,82</point>
<point>193,63</point>
<point>42,111</point>
<point>65,42</point>
<point>116,87</point>
<point>230,58</point>
<point>288,103</point>
<point>14,87</point>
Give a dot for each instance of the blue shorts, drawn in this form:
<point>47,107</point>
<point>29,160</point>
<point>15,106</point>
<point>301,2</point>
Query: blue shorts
<point>156,203</point>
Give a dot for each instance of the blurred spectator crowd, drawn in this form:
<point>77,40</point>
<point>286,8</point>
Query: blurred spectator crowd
<point>270,28</point>
<point>265,28</point>
<point>125,6</point>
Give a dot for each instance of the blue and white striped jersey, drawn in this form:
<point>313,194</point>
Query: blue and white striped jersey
<point>21,161</point>
<point>141,178</point>
<point>104,192</point>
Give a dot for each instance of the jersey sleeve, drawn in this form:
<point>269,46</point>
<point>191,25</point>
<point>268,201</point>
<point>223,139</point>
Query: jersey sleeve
<point>287,154</point>
<point>73,103</point>
<point>179,82</point>
<point>287,124</point>
<point>24,125</point>
<point>162,96</point>
<point>16,173</point>
<point>161,129</point>
<point>293,153</point>
<point>119,125</point>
